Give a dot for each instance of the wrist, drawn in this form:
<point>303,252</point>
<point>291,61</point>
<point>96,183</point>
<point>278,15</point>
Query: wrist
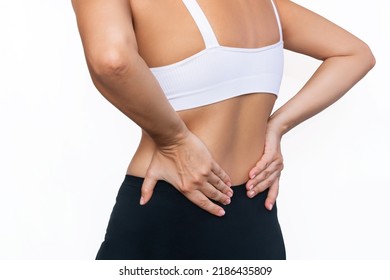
<point>175,135</point>
<point>273,127</point>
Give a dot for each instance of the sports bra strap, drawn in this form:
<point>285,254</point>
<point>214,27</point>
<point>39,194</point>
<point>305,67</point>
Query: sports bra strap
<point>278,20</point>
<point>209,38</point>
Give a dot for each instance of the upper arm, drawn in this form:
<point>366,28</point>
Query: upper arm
<point>309,33</point>
<point>106,29</point>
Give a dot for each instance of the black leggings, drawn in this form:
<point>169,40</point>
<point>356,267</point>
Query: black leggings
<point>170,227</point>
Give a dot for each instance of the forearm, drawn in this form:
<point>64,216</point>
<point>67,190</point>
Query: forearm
<point>335,76</point>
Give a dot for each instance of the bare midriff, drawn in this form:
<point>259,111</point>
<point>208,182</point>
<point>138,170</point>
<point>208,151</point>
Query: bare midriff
<point>233,129</point>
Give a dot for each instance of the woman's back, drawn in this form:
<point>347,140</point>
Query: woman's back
<point>159,214</point>
<point>233,129</point>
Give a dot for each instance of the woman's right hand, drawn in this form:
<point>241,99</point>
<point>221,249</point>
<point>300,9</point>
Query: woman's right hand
<point>190,168</point>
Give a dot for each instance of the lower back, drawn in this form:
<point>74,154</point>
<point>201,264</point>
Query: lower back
<point>233,130</point>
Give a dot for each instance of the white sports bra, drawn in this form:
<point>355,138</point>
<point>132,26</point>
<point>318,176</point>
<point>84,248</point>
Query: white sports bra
<point>218,73</point>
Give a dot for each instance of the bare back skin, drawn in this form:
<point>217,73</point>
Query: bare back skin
<point>203,151</point>
<point>233,130</point>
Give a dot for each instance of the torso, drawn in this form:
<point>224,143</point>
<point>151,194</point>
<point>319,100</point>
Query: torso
<point>233,129</point>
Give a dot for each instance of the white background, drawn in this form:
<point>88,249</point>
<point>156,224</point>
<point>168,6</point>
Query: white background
<point>64,149</point>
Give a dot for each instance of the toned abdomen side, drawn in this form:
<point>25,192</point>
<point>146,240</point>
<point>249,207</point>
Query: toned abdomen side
<point>233,130</point>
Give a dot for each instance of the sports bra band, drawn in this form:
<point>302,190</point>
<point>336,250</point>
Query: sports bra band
<point>217,72</point>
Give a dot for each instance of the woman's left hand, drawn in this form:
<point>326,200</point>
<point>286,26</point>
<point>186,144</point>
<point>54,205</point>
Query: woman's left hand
<point>267,171</point>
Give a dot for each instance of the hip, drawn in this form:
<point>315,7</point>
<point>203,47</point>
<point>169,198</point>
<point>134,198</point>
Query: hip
<point>171,227</point>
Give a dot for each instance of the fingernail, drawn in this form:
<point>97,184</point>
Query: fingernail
<point>227,201</point>
<point>250,187</point>
<point>253,176</point>
<point>270,206</point>
<point>142,201</point>
<point>229,184</point>
<point>221,212</point>
<point>251,194</point>
<point>230,194</point>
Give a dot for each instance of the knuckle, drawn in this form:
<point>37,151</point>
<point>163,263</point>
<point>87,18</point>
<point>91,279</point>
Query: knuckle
<point>268,182</point>
<point>254,191</point>
<point>218,170</point>
<point>149,173</point>
<point>214,194</point>
<point>145,192</point>
<point>260,165</point>
<point>260,188</point>
<point>203,203</point>
<point>263,187</point>
<point>199,179</point>
<point>219,184</point>
<point>185,189</point>
<point>204,172</point>
<point>224,176</point>
<point>258,178</point>
<point>257,189</point>
<point>146,188</point>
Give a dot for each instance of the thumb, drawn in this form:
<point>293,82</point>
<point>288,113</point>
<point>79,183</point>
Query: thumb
<point>147,189</point>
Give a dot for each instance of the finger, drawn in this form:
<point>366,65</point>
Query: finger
<point>212,193</point>
<point>262,164</point>
<point>147,189</point>
<point>203,202</point>
<point>217,170</point>
<point>272,195</point>
<point>217,183</point>
<point>273,167</point>
<point>263,185</point>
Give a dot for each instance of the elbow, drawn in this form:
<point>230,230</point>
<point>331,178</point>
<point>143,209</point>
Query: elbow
<point>111,64</point>
<point>366,57</point>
